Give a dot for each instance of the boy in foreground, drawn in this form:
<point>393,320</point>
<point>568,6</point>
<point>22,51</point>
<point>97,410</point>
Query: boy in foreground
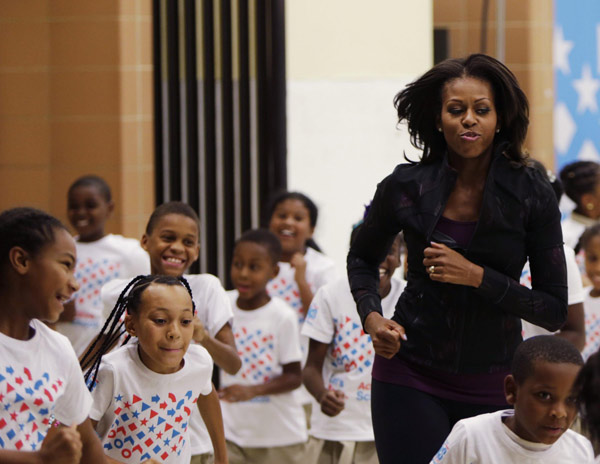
<point>540,389</point>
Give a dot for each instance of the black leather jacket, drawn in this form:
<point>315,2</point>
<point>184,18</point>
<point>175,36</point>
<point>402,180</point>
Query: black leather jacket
<point>452,327</point>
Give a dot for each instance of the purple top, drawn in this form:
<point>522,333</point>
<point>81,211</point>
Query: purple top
<point>461,232</point>
<point>469,388</point>
<point>485,389</point>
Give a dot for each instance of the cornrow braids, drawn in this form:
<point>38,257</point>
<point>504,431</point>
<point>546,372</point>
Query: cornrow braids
<point>114,327</point>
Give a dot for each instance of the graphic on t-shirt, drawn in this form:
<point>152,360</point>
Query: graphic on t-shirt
<point>352,348</point>
<point>91,276</point>
<point>592,335</point>
<point>152,430</point>
<point>27,404</point>
<point>288,292</point>
<point>255,348</point>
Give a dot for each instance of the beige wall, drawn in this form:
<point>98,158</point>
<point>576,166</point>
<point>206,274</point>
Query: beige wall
<point>353,39</point>
<point>76,98</point>
<point>346,59</point>
<point>528,53</point>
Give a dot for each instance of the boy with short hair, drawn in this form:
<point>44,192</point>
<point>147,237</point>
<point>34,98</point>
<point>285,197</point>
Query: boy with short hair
<point>264,421</point>
<point>101,257</point>
<point>537,431</point>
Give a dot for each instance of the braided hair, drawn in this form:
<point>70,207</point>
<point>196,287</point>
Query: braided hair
<point>114,328</point>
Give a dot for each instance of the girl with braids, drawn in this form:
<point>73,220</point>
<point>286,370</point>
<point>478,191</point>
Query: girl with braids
<point>581,181</point>
<point>40,379</point>
<point>472,213</point>
<point>171,240</point>
<point>144,392</point>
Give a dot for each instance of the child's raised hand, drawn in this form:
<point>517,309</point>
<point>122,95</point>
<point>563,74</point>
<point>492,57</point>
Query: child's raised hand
<point>332,402</point>
<point>298,262</point>
<point>62,445</point>
<point>235,393</point>
<point>200,333</point>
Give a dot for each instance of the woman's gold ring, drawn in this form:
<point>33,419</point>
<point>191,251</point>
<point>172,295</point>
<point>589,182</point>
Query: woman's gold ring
<point>431,269</point>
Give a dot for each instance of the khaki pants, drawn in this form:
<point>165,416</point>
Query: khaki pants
<point>206,458</point>
<point>340,452</point>
<point>290,454</point>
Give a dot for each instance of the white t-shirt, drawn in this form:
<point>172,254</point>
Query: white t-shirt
<point>111,257</point>
<point>39,378</point>
<point>214,311</point>
<point>591,307</point>
<point>333,319</point>
<point>575,290</point>
<point>320,270</point>
<point>142,414</point>
<point>573,226</point>
<point>266,339</point>
<point>484,439</point>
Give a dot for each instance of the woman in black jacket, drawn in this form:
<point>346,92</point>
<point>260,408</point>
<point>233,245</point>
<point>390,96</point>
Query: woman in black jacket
<point>472,213</point>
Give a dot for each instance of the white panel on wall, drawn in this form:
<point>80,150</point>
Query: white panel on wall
<point>343,138</point>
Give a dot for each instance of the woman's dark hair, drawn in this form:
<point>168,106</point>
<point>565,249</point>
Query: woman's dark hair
<point>579,178</point>
<point>587,388</point>
<point>313,211</point>
<point>114,328</point>
<point>92,181</point>
<point>28,228</point>
<point>265,238</point>
<point>420,104</point>
<point>171,207</point>
<point>549,176</point>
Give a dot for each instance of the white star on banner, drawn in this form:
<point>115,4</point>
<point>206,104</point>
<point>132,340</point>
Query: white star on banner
<point>588,152</point>
<point>564,128</point>
<point>561,50</point>
<point>586,88</point>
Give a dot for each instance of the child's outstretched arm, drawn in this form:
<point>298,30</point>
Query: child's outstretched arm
<point>331,401</point>
<point>221,348</point>
<point>290,379</point>
<point>92,448</point>
<point>210,409</point>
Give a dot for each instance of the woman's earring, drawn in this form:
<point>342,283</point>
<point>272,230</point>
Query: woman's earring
<point>497,130</point>
<point>589,206</point>
<point>439,129</point>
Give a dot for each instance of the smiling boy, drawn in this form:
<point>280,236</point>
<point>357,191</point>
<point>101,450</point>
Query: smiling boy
<point>540,389</point>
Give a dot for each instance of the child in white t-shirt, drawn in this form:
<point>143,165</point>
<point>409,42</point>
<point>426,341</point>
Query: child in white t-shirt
<point>537,431</point>
<point>338,368</point>
<point>145,392</point>
<point>303,269</point>
<point>264,422</point>
<point>171,241</point>
<point>590,244</point>
<point>101,257</point>
<point>41,385</point>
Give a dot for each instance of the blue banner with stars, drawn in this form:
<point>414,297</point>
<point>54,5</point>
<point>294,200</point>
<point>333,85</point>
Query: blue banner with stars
<point>576,50</point>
